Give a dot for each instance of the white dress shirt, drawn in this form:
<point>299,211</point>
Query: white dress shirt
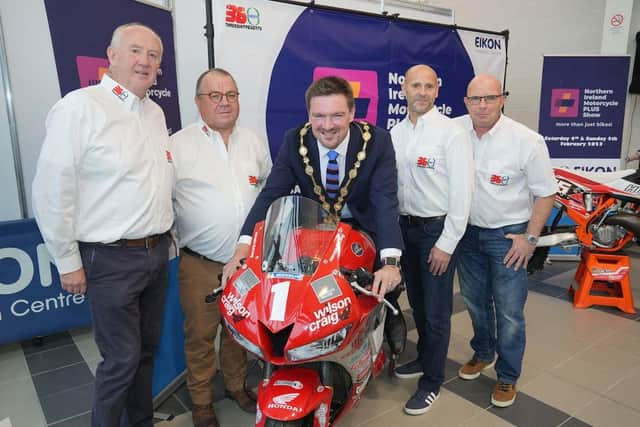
<point>104,172</point>
<point>216,186</point>
<point>435,172</point>
<point>512,166</point>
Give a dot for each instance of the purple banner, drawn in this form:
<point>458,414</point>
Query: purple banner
<point>582,105</point>
<point>81,31</point>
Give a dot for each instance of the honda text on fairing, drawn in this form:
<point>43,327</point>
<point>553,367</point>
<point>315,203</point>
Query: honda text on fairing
<point>605,208</point>
<point>298,303</point>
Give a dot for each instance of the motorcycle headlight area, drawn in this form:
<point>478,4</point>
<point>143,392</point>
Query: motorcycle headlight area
<point>244,342</point>
<point>318,348</point>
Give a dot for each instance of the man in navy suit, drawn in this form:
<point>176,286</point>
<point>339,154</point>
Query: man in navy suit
<point>371,202</point>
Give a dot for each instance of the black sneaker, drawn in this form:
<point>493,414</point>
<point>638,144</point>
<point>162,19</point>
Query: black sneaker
<point>409,370</point>
<point>420,402</point>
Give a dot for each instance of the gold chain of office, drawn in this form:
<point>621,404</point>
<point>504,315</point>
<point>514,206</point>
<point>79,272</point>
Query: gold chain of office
<point>365,131</point>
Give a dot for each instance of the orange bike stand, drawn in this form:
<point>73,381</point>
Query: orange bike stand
<point>608,276</point>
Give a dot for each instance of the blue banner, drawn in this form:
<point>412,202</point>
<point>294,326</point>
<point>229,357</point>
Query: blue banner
<point>32,303</point>
<point>582,105</point>
<point>370,52</point>
<point>81,31</point>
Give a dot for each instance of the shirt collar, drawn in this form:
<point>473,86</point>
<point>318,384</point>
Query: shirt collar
<point>423,118</point>
<point>211,133</point>
<point>119,92</point>
<point>491,132</point>
<point>341,148</point>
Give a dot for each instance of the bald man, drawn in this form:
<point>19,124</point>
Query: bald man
<point>513,196</point>
<point>102,200</point>
<point>435,179</point>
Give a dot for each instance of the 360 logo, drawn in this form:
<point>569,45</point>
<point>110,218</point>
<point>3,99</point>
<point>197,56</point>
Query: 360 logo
<point>239,17</point>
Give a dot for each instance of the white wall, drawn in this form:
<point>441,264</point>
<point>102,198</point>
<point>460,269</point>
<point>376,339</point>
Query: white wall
<point>632,129</point>
<point>34,80</point>
<point>536,28</point>
<point>191,52</point>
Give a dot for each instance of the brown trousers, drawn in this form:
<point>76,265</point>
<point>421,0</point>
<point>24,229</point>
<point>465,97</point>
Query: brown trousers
<point>198,278</point>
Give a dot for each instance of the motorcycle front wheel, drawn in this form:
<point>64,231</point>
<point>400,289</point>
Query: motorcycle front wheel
<point>303,422</point>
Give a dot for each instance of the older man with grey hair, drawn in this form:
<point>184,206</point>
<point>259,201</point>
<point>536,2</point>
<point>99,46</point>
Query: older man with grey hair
<point>102,200</point>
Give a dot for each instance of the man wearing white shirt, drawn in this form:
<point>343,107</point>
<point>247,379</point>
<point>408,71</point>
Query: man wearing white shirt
<point>220,169</point>
<point>512,168</point>
<point>102,200</point>
<point>435,178</point>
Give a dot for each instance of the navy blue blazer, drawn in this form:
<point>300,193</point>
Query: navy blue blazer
<point>373,194</point>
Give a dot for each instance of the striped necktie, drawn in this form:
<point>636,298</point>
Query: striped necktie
<point>333,175</point>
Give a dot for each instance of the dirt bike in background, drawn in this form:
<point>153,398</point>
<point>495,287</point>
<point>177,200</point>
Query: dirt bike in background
<point>299,304</point>
<point>605,208</point>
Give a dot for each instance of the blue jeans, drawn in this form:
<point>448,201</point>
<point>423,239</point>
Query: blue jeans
<point>495,296</point>
<point>431,299</point>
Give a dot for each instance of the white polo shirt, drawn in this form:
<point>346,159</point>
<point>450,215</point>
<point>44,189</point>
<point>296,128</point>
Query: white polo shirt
<point>104,172</point>
<point>512,166</point>
<point>435,172</point>
<point>216,186</point>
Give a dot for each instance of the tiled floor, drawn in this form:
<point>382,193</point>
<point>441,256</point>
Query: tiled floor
<point>581,367</point>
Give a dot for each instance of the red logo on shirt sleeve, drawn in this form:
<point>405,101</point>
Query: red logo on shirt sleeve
<point>253,180</point>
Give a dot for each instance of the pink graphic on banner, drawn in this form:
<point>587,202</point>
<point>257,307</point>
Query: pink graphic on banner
<point>91,69</point>
<point>564,102</point>
<point>365,89</point>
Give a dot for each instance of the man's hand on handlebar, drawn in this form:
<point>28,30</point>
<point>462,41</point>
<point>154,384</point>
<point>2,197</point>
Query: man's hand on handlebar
<point>242,251</point>
<point>385,280</point>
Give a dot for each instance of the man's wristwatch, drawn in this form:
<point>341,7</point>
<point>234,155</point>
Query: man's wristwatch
<point>533,240</point>
<point>391,261</point>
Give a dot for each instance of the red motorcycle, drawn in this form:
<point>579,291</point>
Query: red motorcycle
<point>299,304</point>
<point>605,208</point>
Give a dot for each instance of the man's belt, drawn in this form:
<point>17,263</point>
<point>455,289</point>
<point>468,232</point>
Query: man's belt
<point>197,255</point>
<point>421,220</point>
<point>143,242</point>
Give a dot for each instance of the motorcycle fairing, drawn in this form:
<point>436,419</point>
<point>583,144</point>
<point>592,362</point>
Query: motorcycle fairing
<point>616,182</point>
<point>292,393</point>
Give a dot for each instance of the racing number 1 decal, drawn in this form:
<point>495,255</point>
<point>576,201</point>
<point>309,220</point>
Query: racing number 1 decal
<point>280,293</point>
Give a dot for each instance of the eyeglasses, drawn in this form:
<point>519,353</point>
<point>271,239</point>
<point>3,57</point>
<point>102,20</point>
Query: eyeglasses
<point>216,97</point>
<point>489,99</point>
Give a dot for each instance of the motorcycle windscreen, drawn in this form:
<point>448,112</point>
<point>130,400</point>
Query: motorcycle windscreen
<point>298,231</point>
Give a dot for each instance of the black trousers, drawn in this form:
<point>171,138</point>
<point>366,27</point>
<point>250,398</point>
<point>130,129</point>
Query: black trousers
<point>126,292</point>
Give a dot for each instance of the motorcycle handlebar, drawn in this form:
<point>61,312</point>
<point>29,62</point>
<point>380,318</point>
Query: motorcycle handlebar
<point>214,293</point>
<point>358,278</point>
